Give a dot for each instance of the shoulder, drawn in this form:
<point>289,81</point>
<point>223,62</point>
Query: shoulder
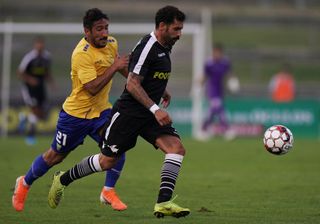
<point>82,48</point>
<point>145,45</point>
<point>81,52</point>
<point>113,44</point>
<point>112,41</point>
<point>30,55</point>
<point>27,59</point>
<point>148,41</point>
<point>208,63</point>
<point>46,54</point>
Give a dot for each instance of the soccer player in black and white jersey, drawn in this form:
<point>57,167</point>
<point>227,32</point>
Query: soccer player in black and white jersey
<point>136,113</point>
<point>34,71</point>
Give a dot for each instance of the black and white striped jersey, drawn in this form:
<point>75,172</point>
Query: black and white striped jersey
<point>152,61</point>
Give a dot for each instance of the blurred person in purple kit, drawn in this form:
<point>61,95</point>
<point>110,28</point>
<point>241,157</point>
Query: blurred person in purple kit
<point>216,69</point>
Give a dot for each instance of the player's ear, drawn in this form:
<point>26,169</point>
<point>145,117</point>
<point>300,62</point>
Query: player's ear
<point>162,26</point>
<point>86,31</point>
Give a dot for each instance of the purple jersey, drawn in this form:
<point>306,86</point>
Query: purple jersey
<point>215,71</point>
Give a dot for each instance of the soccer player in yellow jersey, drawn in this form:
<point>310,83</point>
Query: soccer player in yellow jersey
<point>94,62</point>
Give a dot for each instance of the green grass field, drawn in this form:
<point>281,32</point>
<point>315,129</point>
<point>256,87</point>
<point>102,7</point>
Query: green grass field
<point>221,182</point>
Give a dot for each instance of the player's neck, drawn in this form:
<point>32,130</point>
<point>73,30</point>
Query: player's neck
<point>159,39</point>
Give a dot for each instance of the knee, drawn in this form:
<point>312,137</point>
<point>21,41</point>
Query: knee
<point>52,158</point>
<point>181,150</point>
<point>170,144</point>
<point>177,148</point>
<point>106,162</point>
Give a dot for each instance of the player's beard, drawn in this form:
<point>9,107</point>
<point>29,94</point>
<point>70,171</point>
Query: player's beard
<point>169,40</point>
<point>97,42</point>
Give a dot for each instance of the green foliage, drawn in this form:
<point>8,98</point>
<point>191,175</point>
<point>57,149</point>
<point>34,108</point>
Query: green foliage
<point>221,182</point>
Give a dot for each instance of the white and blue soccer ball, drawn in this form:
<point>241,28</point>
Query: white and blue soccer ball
<point>278,139</point>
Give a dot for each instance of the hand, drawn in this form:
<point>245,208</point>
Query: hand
<point>32,81</point>
<point>166,99</point>
<point>121,62</point>
<point>162,117</point>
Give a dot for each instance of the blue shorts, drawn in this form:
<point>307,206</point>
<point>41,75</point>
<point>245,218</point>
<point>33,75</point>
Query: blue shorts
<point>71,131</point>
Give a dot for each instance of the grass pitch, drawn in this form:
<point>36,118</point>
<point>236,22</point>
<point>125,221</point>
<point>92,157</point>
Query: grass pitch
<point>221,182</point>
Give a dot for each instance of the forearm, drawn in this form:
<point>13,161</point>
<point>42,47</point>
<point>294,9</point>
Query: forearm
<point>101,81</point>
<point>23,76</point>
<point>135,89</point>
<point>124,72</point>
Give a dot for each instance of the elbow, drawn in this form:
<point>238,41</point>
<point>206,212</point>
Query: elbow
<point>130,87</point>
<point>92,91</point>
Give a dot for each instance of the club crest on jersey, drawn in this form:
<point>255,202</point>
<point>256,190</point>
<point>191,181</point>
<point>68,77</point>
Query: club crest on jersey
<point>161,75</point>
<point>161,55</point>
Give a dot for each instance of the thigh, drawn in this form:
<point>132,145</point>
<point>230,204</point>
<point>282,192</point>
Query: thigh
<point>27,96</point>
<point>98,125</point>
<point>120,135</point>
<point>216,103</point>
<point>153,130</point>
<point>70,132</point>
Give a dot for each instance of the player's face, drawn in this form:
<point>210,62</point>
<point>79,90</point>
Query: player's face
<point>173,32</point>
<point>39,45</point>
<point>98,35</point>
<point>217,53</point>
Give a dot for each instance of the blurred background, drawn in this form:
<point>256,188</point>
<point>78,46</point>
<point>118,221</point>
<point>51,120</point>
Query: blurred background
<point>259,36</point>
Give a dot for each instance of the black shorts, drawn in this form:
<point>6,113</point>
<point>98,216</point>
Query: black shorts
<point>123,130</point>
<point>34,96</point>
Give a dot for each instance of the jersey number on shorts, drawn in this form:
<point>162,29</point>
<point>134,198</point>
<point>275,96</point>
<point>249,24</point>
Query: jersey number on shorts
<point>61,138</point>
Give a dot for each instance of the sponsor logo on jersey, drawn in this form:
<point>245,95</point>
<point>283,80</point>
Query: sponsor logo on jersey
<point>98,62</point>
<point>161,75</point>
<point>161,55</point>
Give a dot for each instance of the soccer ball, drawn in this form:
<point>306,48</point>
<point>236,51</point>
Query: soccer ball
<point>278,139</point>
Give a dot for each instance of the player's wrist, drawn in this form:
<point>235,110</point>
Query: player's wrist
<point>154,108</point>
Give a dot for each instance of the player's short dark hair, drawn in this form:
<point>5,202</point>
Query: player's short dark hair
<point>168,14</point>
<point>38,38</point>
<point>286,67</point>
<point>218,46</point>
<point>93,15</point>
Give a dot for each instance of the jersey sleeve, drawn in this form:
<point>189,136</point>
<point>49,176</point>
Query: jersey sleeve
<point>25,62</point>
<point>140,59</point>
<point>114,45</point>
<point>84,65</point>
